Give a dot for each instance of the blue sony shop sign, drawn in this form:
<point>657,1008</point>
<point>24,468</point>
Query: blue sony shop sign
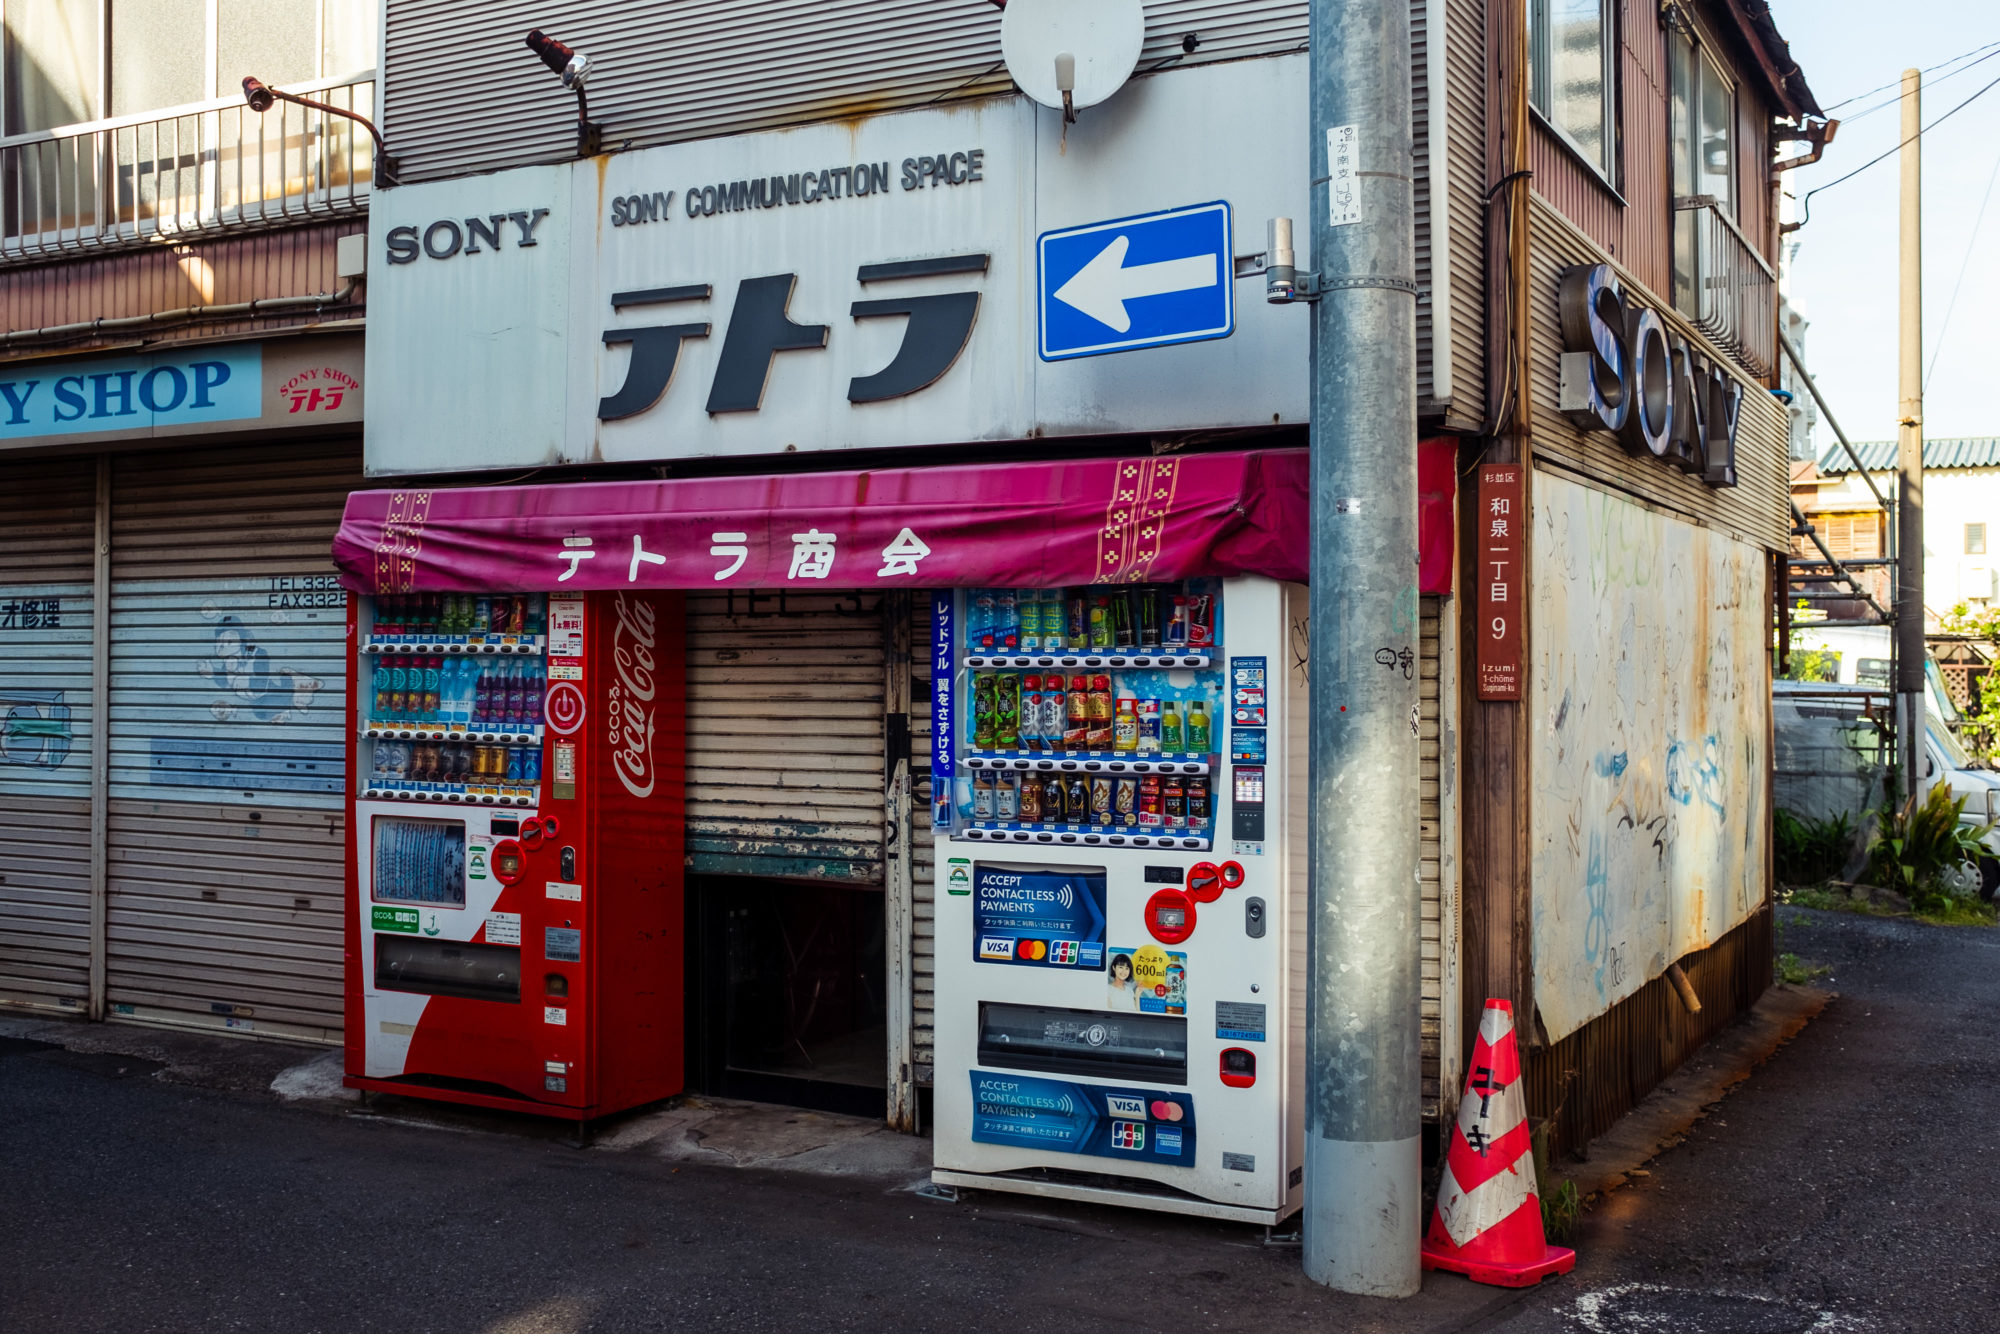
<point>1044,917</point>
<point>1056,1116</point>
<point>1145,281</point>
<point>205,384</point>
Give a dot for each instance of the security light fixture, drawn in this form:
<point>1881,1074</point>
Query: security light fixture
<point>262,97</point>
<point>574,67</point>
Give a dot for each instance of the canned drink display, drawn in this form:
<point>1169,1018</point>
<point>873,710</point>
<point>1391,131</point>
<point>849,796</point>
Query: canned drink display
<point>1125,802</point>
<point>1201,621</point>
<point>984,696</point>
<point>1197,802</point>
<point>1031,799</point>
<point>1076,621</point>
<point>1007,795</point>
<point>1007,712</point>
<point>1177,623</point>
<point>1149,802</point>
<point>1123,631</point>
<point>1100,801</point>
<point>1149,616</point>
<point>1052,798</point>
<point>1173,803</point>
<point>1076,800</point>
<point>1100,621</point>
<point>982,795</point>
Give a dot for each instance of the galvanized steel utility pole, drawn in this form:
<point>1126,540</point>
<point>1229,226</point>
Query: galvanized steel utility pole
<point>1363,1178</point>
<point>1910,654</point>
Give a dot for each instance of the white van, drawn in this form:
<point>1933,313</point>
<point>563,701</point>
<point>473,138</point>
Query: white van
<point>1861,656</point>
<point>1828,760</point>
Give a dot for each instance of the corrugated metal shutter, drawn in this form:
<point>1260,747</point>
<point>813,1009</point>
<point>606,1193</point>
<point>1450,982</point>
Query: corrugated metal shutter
<point>228,752</point>
<point>1462,205</point>
<point>923,850</point>
<point>1431,846</point>
<point>785,766</point>
<point>462,95</point>
<point>46,721</point>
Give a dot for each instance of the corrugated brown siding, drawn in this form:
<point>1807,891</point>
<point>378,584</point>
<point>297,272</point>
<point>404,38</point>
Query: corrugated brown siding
<point>298,262</point>
<point>1756,509</point>
<point>1638,231</point>
<point>1584,1083</point>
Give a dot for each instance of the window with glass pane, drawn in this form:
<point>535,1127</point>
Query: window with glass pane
<point>51,58</point>
<point>1702,144</point>
<point>1570,82</point>
<point>1975,539</point>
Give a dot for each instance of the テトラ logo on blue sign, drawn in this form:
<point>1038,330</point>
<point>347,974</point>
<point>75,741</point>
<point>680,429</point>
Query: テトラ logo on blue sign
<point>131,393</point>
<point>1129,283</point>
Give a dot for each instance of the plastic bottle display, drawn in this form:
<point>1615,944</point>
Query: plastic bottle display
<point>1199,731</point>
<point>1121,710</point>
<point>1125,725</point>
<point>430,676</point>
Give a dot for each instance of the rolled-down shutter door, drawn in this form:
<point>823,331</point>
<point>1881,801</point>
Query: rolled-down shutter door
<point>46,528</point>
<point>1433,834</point>
<point>228,741</point>
<point>784,724</point>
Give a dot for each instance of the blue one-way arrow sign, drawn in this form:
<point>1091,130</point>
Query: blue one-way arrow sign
<point>1145,281</point>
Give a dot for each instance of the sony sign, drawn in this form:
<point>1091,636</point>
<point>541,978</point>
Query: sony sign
<point>1625,372</point>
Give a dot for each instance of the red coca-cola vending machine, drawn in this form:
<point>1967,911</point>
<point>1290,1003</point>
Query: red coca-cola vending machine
<point>514,874</point>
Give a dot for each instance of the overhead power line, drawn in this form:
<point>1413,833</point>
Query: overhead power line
<point>1893,101</point>
<point>1805,202</point>
<point>1897,82</point>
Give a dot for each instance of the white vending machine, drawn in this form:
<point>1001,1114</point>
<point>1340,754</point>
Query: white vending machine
<point>1119,802</point>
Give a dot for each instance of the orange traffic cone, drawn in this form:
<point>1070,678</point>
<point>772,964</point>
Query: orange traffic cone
<point>1489,1214</point>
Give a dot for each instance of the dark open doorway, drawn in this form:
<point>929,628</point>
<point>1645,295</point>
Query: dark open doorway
<point>787,993</point>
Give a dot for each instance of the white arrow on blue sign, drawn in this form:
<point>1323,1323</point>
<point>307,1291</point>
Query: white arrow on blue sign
<point>1145,281</point>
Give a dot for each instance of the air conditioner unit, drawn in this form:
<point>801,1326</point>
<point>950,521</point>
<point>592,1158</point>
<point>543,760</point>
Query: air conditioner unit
<point>1975,581</point>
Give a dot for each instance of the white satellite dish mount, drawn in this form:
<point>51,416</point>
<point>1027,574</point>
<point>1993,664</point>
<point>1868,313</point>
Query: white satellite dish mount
<point>1072,53</point>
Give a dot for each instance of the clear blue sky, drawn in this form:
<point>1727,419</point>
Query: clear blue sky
<point>1843,278</point>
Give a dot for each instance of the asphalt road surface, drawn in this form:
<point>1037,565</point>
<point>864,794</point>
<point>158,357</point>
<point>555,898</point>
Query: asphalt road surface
<point>1849,1185</point>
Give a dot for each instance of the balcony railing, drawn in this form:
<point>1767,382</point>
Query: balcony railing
<point>1723,285</point>
<point>191,170</point>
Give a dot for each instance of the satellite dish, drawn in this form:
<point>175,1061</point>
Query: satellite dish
<point>1084,49</point>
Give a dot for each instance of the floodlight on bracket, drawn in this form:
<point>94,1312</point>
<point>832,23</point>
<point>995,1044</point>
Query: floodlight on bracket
<point>575,68</point>
<point>261,97</point>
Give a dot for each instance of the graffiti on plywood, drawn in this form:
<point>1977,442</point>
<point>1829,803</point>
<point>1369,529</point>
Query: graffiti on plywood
<point>1650,701</point>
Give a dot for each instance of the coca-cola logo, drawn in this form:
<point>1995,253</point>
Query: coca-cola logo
<point>630,700</point>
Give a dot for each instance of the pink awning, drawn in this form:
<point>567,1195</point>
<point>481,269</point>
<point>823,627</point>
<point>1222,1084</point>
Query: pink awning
<point>1026,524</point>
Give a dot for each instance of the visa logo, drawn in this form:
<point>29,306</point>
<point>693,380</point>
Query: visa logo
<point>1119,1105</point>
<point>996,947</point>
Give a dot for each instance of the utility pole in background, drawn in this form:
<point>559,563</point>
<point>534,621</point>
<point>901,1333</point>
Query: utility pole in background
<point>1910,653</point>
<point>1363,1171</point>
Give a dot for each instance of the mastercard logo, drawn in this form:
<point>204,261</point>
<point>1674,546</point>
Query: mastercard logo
<point>1164,1110</point>
<point>1032,950</point>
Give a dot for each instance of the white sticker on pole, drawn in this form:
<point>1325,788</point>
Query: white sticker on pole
<point>1343,170</point>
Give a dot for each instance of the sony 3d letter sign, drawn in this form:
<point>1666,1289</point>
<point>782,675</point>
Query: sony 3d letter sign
<point>1624,371</point>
